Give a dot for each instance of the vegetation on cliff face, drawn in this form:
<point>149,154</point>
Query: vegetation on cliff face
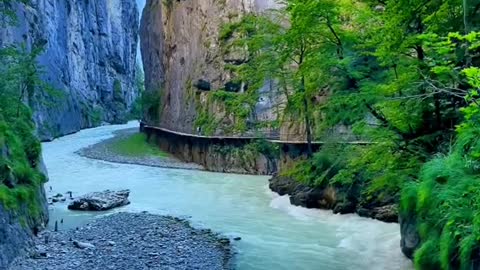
<point>402,75</point>
<point>20,150</point>
<point>445,200</point>
<point>136,112</point>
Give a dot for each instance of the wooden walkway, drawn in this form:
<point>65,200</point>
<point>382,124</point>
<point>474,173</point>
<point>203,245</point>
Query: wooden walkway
<point>205,136</point>
<point>272,139</point>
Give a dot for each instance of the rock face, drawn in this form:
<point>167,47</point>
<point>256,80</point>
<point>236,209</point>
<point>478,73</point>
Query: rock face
<point>17,228</point>
<point>340,200</point>
<point>100,201</point>
<point>410,238</point>
<point>89,58</point>
<point>184,60</point>
<point>312,197</point>
<point>218,155</point>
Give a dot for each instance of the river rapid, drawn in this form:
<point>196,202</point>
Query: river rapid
<point>275,234</point>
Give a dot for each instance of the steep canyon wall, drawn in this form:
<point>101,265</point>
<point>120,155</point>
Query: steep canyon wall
<point>184,60</point>
<point>89,58</point>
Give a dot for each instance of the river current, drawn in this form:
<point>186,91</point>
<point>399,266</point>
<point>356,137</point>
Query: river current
<point>275,234</point>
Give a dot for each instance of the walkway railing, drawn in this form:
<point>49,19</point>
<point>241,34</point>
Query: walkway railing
<point>271,136</point>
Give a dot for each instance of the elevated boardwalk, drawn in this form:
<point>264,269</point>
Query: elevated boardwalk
<point>265,136</point>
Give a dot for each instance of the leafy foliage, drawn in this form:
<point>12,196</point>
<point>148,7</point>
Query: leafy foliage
<point>136,111</point>
<point>402,76</point>
<point>20,150</point>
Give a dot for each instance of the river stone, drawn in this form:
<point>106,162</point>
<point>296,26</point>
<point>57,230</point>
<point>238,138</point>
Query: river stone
<point>82,245</point>
<point>40,252</point>
<point>142,242</point>
<point>100,201</point>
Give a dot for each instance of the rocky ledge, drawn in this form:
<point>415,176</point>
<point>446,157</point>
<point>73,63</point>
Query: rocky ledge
<point>343,201</point>
<point>100,201</point>
<point>129,241</point>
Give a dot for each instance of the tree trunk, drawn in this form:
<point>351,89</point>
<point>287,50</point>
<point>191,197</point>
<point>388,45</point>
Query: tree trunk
<point>466,15</point>
<point>468,12</point>
<point>420,52</point>
<point>20,100</point>
<point>308,128</point>
<point>438,112</point>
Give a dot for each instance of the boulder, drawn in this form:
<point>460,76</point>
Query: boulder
<point>40,252</point>
<point>283,185</point>
<point>100,201</point>
<point>83,245</point>
<point>303,195</point>
<point>410,238</point>
<point>386,213</point>
<point>307,197</point>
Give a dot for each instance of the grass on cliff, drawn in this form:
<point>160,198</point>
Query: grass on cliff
<point>136,145</point>
<point>446,205</point>
<point>19,156</point>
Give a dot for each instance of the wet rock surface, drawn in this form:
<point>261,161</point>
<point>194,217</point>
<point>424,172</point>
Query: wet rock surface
<point>410,240</point>
<point>387,213</point>
<point>100,201</point>
<point>129,241</point>
<point>104,151</point>
<point>337,199</point>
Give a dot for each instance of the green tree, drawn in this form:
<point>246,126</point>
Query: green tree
<point>22,74</point>
<point>289,46</point>
<point>19,148</point>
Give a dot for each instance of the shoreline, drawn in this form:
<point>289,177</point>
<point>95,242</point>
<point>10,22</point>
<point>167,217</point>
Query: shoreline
<point>308,195</point>
<point>102,151</point>
<point>69,152</point>
<point>129,241</point>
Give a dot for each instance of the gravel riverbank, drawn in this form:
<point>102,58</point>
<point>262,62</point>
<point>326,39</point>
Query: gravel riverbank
<point>129,241</point>
<point>104,151</point>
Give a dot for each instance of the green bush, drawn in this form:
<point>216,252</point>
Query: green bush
<point>150,103</point>
<point>320,169</point>
<point>446,202</point>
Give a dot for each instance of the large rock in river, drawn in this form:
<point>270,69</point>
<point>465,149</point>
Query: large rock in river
<point>100,201</point>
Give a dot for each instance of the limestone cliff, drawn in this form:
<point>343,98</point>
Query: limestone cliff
<point>184,61</point>
<point>89,58</point>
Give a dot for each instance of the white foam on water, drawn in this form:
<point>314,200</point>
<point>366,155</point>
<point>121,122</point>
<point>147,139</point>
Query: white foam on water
<point>362,236</point>
<point>275,234</point>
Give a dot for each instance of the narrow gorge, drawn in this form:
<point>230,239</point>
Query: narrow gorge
<point>88,59</point>
<point>75,62</point>
<point>239,134</point>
